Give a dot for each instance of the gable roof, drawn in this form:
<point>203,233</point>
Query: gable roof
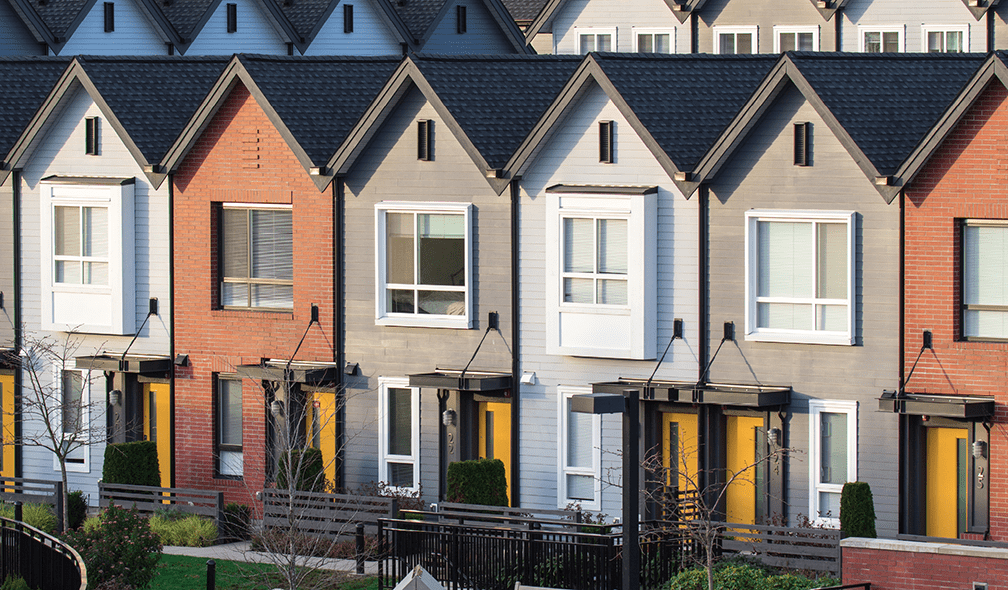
<point>683,8</point>
<point>979,9</point>
<point>146,100</point>
<point>678,104</point>
<point>183,20</point>
<point>489,103</point>
<point>52,21</point>
<point>422,17</point>
<point>880,106</point>
<point>314,102</point>
<point>25,82</point>
<point>524,11</point>
<point>307,17</point>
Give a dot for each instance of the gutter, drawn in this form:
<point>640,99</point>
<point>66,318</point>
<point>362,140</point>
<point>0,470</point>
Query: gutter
<point>18,335</point>
<point>515,351</point>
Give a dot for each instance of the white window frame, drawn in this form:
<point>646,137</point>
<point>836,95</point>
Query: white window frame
<point>564,394</point>
<point>93,309</point>
<point>252,280</point>
<point>598,330</point>
<point>899,29</point>
<point>753,332</point>
<point>779,29</point>
<point>964,29</point>
<point>385,318</point>
<point>578,31</point>
<point>88,380</point>
<point>635,31</point>
<point>816,407</point>
<point>722,30</point>
<point>384,457</point>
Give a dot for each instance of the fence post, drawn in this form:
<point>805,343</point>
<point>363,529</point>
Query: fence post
<point>211,575</point>
<point>60,517</point>
<point>360,548</point>
<point>395,508</point>
<point>382,553</point>
<point>220,509</point>
<point>18,513</point>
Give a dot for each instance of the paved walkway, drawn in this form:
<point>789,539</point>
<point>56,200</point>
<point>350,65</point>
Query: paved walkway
<point>242,551</point>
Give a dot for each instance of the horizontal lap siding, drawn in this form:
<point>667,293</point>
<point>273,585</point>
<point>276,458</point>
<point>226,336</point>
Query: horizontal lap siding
<point>388,170</point>
<point>134,33</point>
<point>570,156</point>
<point>623,15</point>
<point>241,158</point>
<point>965,178</point>
<point>15,38</point>
<point>760,175</point>
<point>483,35</point>
<point>257,32</point>
<point>765,14</point>
<point>371,34</point>
<point>894,12</point>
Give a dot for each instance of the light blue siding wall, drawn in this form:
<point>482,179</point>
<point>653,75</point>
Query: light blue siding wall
<point>570,156</point>
<point>371,34</point>
<point>617,16</point>
<point>896,13</point>
<point>134,33</point>
<point>15,38</point>
<point>482,33</point>
<point>60,151</point>
<point>257,32</point>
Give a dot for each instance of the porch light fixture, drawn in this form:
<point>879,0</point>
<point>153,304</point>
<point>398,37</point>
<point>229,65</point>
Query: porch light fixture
<point>351,369</point>
<point>528,378</point>
<point>276,408</point>
<point>979,450</point>
<point>448,417</point>
<point>114,396</point>
<point>182,360</point>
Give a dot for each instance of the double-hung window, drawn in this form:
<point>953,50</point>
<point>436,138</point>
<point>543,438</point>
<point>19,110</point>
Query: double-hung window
<point>945,39</point>
<point>592,39</point>
<point>787,38</point>
<point>257,257</point>
<point>735,40</point>
<point>833,436</point>
<point>580,454</point>
<point>881,39</point>
<point>984,280</point>
<point>595,264</point>
<point>800,276</point>
<point>399,434</point>
<point>80,244</point>
<point>423,264</point>
<point>653,40</point>
<point>228,410</point>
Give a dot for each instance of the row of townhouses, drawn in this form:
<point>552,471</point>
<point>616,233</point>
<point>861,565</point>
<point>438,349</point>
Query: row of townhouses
<point>804,251</point>
<point>393,27</point>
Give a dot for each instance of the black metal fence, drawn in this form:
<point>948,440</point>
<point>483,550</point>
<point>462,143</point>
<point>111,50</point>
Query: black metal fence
<point>45,562</point>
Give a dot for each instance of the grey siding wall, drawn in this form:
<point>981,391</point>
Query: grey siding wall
<point>619,17</point>
<point>371,35</point>
<point>60,152</point>
<point>257,33</point>
<point>760,175</point>
<point>134,33</point>
<point>388,170</point>
<point>482,33</point>
<point>895,13</point>
<point>15,38</point>
<point>764,15</point>
<point>7,263</point>
<point>570,156</point>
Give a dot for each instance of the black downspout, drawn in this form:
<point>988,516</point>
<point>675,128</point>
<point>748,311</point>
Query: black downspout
<point>338,330</point>
<point>907,501</point>
<point>515,365</point>
<point>694,32</point>
<point>703,311</point>
<point>171,311</point>
<point>990,29</point>
<point>16,201</point>
<point>838,30</point>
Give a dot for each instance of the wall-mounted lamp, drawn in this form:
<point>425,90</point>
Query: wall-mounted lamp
<point>448,417</point>
<point>528,378</point>
<point>979,450</point>
<point>774,437</point>
<point>182,360</point>
<point>277,408</point>
<point>152,306</point>
<point>677,328</point>
<point>926,345</point>
<point>114,397</point>
<point>351,369</point>
<point>314,314</point>
<point>493,321</point>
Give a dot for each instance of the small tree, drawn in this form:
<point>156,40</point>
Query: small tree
<point>857,510</point>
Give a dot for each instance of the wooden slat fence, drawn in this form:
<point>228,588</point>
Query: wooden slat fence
<point>332,515</point>
<point>795,548</point>
<point>34,491</point>
<point>513,517</point>
<point>150,499</point>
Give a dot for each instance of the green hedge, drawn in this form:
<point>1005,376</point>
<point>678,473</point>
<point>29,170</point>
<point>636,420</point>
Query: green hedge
<point>857,510</point>
<point>482,481</point>
<point>311,476</point>
<point>733,576</point>
<point>133,463</point>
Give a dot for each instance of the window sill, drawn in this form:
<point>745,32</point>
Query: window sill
<point>829,339</point>
<point>451,322</point>
<point>590,309</point>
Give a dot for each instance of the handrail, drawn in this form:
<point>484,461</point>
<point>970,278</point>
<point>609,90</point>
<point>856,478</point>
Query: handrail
<point>39,535</point>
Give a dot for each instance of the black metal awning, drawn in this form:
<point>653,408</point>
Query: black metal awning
<point>946,406</point>
<point>311,373</point>
<point>748,396</point>
<point>140,364</point>
<point>475,381</point>
<point>600,189</point>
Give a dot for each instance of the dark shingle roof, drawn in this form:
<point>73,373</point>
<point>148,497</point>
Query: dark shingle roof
<point>685,101</point>
<point>25,82</point>
<point>524,10</point>
<point>304,15</point>
<point>153,97</point>
<point>185,15</point>
<point>320,99</point>
<point>418,15</point>
<point>58,15</point>
<point>887,102</point>
<point>497,100</point>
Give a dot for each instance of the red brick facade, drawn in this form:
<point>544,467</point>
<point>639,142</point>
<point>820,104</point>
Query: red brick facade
<point>932,568</point>
<point>967,177</point>
<point>241,158</point>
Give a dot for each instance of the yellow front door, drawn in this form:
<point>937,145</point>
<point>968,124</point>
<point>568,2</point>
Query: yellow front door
<point>947,481</point>
<point>7,426</point>
<point>679,439</point>
<point>320,429</point>
<point>495,435</point>
<point>157,425</point>
<point>743,434</point>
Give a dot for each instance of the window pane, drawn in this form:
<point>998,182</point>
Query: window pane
<point>744,43</point>
<point>954,41</point>
<point>785,259</point>
<point>986,324</point>
<point>787,41</point>
<point>400,421</point>
<point>231,463</point>
<point>399,248</point>
<point>612,292</point>
<point>663,43</point>
<point>831,317</point>
<point>832,283</point>
<point>890,42</point>
<point>235,250</point>
<point>833,459</point>
<point>604,42</point>
<point>73,393</point>
<point>442,302</point>
<point>236,294</point>
<point>66,230</point>
<point>784,316</point>
<point>587,43</point>
<point>829,505</point>
<point>400,475</point>
<point>580,487</point>
<point>442,250</point>
<point>95,229</point>
<point>644,43</point>
<point>726,43</point>
<point>400,301</point>
<point>272,245</point>
<point>872,42</point>
<point>579,246</point>
<point>612,246</point>
<point>805,42</point>
<point>985,262</point>
<point>579,439</point>
<point>934,41</point>
<point>68,272</point>
<point>95,273</point>
<point>579,290</point>
<point>273,296</point>
<point>230,412</point>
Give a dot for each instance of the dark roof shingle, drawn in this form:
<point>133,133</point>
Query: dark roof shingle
<point>185,15</point>
<point>25,82</point>
<point>524,10</point>
<point>58,15</point>
<point>417,15</point>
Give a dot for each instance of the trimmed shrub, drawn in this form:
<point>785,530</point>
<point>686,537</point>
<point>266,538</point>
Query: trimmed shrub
<point>311,475</point>
<point>91,524</point>
<point>77,507</point>
<point>121,550</point>
<point>857,510</point>
<point>40,516</point>
<point>132,463</point>
<point>13,582</point>
<point>188,531</point>
<point>236,522</point>
<point>736,576</point>
<point>482,481</point>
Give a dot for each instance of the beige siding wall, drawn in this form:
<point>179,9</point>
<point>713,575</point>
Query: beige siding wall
<point>764,16</point>
<point>942,14</point>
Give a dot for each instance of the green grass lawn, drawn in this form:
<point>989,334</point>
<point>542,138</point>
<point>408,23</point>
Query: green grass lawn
<point>179,572</point>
